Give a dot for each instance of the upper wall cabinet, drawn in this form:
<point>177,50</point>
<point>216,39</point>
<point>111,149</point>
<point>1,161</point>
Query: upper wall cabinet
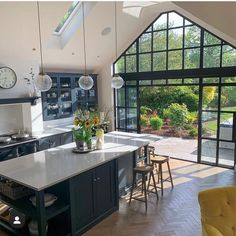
<point>65,96</point>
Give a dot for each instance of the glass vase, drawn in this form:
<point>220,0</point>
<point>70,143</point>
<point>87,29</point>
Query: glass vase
<point>100,139</point>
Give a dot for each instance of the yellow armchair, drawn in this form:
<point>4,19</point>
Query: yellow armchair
<point>218,211</point>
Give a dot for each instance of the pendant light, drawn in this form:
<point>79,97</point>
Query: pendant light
<point>116,82</point>
<point>42,81</point>
<point>85,81</point>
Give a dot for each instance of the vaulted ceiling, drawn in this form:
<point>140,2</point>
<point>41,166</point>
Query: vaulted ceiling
<point>19,29</point>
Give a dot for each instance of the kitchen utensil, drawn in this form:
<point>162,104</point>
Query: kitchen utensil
<point>49,199</point>
<point>5,139</point>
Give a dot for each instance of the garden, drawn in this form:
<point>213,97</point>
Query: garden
<point>169,111</point>
<point>173,110</point>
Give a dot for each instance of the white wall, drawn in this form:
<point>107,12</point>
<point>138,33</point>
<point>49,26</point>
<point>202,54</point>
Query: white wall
<point>105,92</point>
<point>28,117</point>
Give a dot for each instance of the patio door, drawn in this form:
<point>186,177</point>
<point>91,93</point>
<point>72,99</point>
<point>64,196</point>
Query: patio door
<point>218,123</point>
<point>127,112</point>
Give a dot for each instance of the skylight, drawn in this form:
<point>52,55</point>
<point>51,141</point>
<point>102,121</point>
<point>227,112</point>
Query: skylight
<point>66,17</point>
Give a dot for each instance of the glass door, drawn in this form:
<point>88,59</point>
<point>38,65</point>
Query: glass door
<point>227,127</point>
<point>218,122</point>
<point>127,108</point>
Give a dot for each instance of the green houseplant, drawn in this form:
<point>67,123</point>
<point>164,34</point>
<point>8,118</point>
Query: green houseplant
<point>84,122</point>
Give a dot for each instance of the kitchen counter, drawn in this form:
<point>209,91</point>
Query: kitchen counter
<point>52,130</point>
<point>46,168</point>
<point>87,186</point>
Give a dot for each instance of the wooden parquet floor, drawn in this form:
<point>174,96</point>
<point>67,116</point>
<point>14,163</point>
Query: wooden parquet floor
<point>175,214</point>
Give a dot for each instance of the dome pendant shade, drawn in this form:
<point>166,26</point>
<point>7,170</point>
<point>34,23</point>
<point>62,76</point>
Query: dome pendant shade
<point>86,82</point>
<point>117,82</point>
<point>43,82</point>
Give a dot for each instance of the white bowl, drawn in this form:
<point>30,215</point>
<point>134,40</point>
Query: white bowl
<point>49,199</point>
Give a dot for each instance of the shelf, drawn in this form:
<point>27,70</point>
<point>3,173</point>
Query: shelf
<point>18,232</point>
<point>65,88</point>
<point>25,206</point>
<point>31,100</point>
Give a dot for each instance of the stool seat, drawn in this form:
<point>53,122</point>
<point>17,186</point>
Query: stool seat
<point>159,159</point>
<point>143,169</point>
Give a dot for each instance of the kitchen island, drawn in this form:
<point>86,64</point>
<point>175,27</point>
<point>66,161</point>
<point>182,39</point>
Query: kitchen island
<point>87,185</point>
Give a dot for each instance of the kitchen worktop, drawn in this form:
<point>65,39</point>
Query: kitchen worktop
<point>52,130</point>
<point>46,168</point>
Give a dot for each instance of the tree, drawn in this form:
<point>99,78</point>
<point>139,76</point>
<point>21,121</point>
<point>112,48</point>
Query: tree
<point>159,98</point>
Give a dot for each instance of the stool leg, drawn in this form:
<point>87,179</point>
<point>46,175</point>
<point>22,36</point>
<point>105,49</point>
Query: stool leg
<point>149,181</point>
<point>158,174</point>
<point>171,180</point>
<point>132,189</point>
<point>154,183</point>
<point>142,187</point>
<point>160,170</point>
<point>145,189</point>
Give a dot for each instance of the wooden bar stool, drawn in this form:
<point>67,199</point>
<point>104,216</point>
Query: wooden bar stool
<point>144,171</point>
<point>160,160</point>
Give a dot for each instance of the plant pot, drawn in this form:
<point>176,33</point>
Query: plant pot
<point>89,145</point>
<point>80,144</point>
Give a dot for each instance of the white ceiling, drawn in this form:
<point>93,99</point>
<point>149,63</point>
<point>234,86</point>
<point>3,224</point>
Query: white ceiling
<point>19,29</point>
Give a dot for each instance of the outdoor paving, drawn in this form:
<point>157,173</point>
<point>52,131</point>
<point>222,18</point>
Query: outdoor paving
<point>186,149</point>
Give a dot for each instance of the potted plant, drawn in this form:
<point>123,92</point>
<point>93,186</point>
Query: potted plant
<point>84,122</point>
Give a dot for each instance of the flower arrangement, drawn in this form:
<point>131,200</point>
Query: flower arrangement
<point>84,122</point>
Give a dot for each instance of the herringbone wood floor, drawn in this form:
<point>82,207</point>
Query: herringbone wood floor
<point>175,214</point>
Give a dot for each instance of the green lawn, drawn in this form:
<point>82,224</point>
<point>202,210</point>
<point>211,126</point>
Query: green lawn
<point>212,125</point>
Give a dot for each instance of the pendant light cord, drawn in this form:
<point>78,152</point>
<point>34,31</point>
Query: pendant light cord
<point>116,30</point>
<point>85,64</point>
<point>40,40</point>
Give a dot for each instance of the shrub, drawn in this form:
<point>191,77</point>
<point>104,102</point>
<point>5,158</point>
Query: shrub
<point>192,117</point>
<point>144,120</point>
<point>193,132</point>
<point>159,98</point>
<point>144,110</point>
<point>178,115</point>
<point>156,122</point>
<point>190,100</point>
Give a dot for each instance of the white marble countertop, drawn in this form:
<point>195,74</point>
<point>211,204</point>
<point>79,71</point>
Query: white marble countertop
<point>46,168</point>
<point>53,130</point>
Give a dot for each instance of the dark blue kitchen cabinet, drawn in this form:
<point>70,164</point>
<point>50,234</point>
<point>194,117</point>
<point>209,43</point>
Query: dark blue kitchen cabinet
<point>96,194</point>
<point>54,141</point>
<point>65,96</point>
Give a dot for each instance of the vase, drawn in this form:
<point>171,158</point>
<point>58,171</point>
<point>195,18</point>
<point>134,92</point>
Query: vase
<point>100,138</point>
<point>80,144</point>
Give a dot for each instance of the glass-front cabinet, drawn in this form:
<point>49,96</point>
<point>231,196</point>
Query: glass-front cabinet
<point>65,96</point>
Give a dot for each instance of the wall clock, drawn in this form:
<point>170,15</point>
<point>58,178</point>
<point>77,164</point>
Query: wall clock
<point>7,78</point>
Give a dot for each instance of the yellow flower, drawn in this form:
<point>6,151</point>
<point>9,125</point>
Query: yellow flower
<point>87,124</point>
<point>76,121</point>
<point>96,120</point>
